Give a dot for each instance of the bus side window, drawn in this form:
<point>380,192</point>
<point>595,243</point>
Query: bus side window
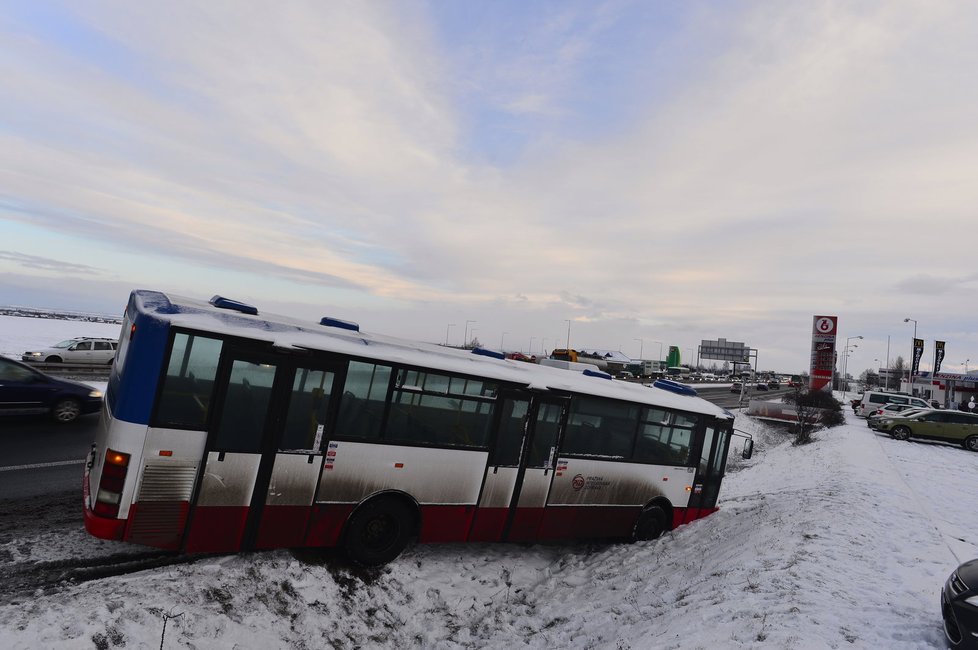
<point>664,437</point>
<point>308,407</point>
<point>600,427</point>
<point>364,398</point>
<point>189,382</point>
<point>435,409</point>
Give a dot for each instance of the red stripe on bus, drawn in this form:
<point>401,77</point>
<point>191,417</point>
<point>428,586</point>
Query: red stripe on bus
<point>326,523</point>
<point>488,524</point>
<point>157,523</point>
<point>526,524</point>
<point>582,522</point>
<point>216,529</point>
<point>283,526</point>
<point>445,523</point>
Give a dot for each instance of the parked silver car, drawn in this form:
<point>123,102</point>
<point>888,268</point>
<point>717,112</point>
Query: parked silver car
<point>77,350</point>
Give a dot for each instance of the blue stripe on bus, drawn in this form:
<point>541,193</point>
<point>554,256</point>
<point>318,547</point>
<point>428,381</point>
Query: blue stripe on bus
<point>133,400</point>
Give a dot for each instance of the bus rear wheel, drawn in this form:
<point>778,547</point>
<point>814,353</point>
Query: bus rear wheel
<point>900,433</point>
<point>377,532</point>
<point>650,524</point>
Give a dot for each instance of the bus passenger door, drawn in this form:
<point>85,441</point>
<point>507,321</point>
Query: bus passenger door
<point>499,485</point>
<point>709,473</point>
<point>244,390</point>
<point>262,462</point>
<point>536,469</point>
<point>293,461</point>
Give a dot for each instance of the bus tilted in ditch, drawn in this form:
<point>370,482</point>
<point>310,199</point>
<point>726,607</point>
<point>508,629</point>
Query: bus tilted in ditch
<point>225,429</point>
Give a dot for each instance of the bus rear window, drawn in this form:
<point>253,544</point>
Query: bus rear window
<point>189,382</point>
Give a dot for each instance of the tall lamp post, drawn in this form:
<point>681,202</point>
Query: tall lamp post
<point>912,343</point>
<point>845,366</point>
<point>641,348</point>
<point>568,334</point>
<point>466,335</point>
<point>543,346</point>
<point>532,339</point>
<point>447,330</point>
<point>877,372</point>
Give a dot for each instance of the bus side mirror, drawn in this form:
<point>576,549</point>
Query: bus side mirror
<point>748,449</point>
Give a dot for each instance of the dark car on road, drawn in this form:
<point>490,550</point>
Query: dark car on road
<point>959,606</point>
<point>26,391</point>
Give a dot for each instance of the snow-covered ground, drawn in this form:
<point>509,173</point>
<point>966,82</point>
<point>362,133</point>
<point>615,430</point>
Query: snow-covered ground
<point>18,334</point>
<point>844,543</point>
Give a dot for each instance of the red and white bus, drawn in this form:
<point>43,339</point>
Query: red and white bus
<point>224,429</point>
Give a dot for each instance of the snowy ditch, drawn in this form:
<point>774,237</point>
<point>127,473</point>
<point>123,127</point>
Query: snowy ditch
<point>839,544</point>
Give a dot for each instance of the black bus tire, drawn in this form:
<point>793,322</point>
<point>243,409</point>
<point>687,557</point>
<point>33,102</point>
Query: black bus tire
<point>377,532</point>
<point>649,525</point>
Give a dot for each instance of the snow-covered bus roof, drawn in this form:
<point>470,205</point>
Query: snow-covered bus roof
<point>289,333</point>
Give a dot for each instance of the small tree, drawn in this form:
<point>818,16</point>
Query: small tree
<point>895,373</point>
<point>814,408</point>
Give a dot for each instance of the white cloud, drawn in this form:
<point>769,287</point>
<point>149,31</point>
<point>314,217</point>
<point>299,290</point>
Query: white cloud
<point>812,147</point>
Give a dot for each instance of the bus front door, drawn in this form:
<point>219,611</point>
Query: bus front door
<point>263,456</point>
<point>520,470</point>
<point>709,473</point>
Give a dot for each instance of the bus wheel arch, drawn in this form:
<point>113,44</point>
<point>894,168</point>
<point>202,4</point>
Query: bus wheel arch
<point>380,528</point>
<point>655,519</point>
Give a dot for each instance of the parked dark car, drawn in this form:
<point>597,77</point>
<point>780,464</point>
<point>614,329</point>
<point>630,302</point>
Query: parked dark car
<point>959,606</point>
<point>761,386</point>
<point>26,391</point>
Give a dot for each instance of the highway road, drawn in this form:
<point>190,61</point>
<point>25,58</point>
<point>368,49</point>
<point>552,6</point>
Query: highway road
<point>42,457</point>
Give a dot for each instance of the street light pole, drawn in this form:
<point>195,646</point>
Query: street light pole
<point>568,335</point>
<point>641,348</point>
<point>501,339</point>
<point>532,338</point>
<point>877,372</point>
<point>543,346</point>
<point>845,367</point>
<point>447,330</point>
<point>912,343</point>
<point>466,335</point>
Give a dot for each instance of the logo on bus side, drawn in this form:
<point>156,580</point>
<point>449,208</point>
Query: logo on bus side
<point>578,482</point>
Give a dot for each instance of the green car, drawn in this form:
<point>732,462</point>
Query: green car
<point>949,426</point>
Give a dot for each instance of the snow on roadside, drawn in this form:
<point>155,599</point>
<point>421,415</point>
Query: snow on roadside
<point>19,333</point>
<point>840,544</point>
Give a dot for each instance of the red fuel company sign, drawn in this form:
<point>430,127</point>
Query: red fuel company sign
<point>823,351</point>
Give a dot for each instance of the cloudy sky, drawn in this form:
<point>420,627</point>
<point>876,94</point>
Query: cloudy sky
<point>656,173</point>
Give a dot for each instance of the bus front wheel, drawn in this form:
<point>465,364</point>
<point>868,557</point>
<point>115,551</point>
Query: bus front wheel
<point>650,524</point>
<point>377,532</point>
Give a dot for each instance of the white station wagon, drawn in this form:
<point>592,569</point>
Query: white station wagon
<point>78,350</point>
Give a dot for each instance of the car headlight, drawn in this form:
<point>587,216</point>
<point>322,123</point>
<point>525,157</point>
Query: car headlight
<point>95,393</point>
<point>32,354</point>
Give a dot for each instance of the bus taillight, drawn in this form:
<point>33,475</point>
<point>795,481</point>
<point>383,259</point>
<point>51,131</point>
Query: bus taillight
<point>111,484</point>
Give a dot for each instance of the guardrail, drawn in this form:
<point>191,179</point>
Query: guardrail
<point>99,370</point>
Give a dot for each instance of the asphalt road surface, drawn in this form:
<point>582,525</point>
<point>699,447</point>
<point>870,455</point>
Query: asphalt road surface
<point>41,456</point>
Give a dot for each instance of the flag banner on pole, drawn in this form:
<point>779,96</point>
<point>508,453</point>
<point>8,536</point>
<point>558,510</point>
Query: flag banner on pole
<point>918,352</point>
<point>938,355</point>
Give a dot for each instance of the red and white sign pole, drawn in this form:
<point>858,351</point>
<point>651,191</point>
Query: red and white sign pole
<point>822,368</point>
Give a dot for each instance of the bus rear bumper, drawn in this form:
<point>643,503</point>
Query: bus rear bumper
<point>102,527</point>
